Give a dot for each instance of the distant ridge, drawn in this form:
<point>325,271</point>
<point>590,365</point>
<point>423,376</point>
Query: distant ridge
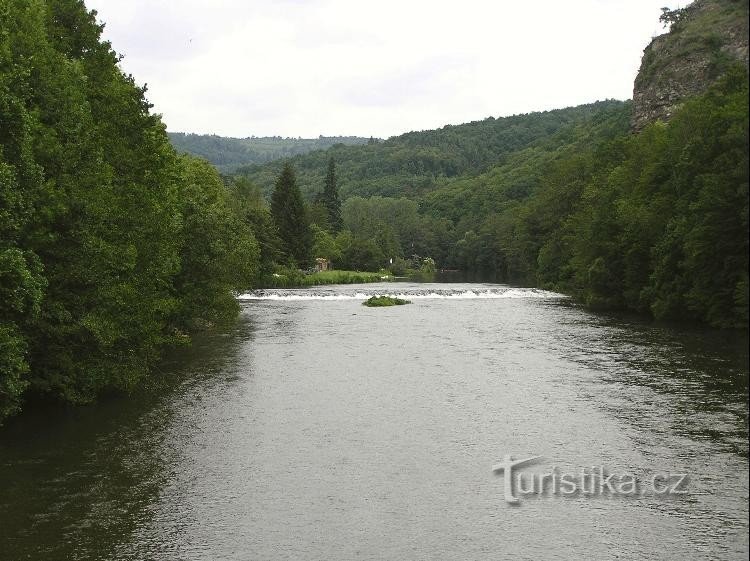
<point>415,163</point>
<point>227,154</point>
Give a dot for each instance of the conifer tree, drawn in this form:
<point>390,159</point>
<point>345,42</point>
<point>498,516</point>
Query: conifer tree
<point>331,197</point>
<point>290,217</point>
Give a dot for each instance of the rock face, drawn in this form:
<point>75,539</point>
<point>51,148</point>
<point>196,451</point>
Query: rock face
<point>707,38</point>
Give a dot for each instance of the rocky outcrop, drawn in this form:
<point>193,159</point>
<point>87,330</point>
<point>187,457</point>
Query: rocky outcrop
<point>707,38</point>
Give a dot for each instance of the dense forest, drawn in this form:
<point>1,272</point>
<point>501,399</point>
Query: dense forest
<point>228,154</point>
<point>111,245</point>
<point>655,222</point>
<point>416,162</point>
<point>114,246</point>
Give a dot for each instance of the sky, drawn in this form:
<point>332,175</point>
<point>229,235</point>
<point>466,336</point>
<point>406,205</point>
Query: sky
<point>373,67</point>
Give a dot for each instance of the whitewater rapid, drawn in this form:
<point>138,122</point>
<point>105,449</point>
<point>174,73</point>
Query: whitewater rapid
<point>411,292</point>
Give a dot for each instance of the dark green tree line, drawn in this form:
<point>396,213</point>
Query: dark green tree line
<point>111,247</point>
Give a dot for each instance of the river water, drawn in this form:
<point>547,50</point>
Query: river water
<point>321,429</point>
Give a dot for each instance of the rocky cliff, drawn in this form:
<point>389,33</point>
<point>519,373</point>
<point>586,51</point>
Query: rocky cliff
<point>705,38</point>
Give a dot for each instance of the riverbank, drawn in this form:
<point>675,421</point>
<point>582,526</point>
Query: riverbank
<point>311,403</point>
<point>298,279</point>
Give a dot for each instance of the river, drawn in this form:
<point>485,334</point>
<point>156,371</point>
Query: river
<point>321,429</point>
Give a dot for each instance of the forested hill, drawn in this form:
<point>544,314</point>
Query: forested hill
<point>227,154</point>
<point>417,162</point>
<point>625,205</point>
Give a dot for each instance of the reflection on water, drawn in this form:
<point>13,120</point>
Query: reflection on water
<point>76,482</point>
<point>322,429</point>
<point>696,379</point>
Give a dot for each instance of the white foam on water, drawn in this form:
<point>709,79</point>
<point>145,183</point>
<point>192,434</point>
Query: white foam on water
<point>494,293</point>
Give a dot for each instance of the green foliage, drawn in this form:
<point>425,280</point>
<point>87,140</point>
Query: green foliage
<point>106,227</point>
<point>707,252</point>
<point>22,283</point>
<point>383,301</point>
<point>670,17</point>
<point>294,278</point>
<point>325,246</point>
<point>701,36</point>
<point>317,215</point>
<point>110,246</point>
<point>416,163</point>
<point>227,154</point>
<point>290,217</point>
<point>219,253</point>
<point>248,203</point>
<point>396,226</point>
<point>660,223</point>
<point>344,277</point>
<point>428,265</point>
<point>363,255</point>
<point>330,197</point>
<point>21,292</point>
<point>399,267</point>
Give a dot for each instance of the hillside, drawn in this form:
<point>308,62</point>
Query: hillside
<point>418,162</point>
<point>227,154</point>
<point>704,40</point>
<point>637,205</point>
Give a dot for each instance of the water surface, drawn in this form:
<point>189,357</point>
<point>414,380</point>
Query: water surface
<point>321,429</point>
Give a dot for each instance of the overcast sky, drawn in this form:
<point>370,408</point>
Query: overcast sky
<point>373,67</point>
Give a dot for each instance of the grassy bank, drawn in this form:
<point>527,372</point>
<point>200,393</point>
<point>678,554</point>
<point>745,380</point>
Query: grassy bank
<point>296,279</point>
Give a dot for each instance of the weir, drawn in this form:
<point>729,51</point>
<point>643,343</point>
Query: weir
<point>410,292</point>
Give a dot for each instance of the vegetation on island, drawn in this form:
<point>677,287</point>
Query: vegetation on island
<point>383,301</point>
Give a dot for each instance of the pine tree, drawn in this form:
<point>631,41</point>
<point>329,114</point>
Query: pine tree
<point>288,211</point>
<point>331,197</point>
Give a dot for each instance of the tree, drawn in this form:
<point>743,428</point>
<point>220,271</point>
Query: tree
<point>110,245</point>
<point>670,17</point>
<point>290,217</point>
<point>219,253</point>
<point>363,255</point>
<point>331,199</point>
<point>248,203</point>
<point>325,245</point>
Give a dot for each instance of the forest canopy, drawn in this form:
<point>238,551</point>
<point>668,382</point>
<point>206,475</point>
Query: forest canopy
<point>111,246</point>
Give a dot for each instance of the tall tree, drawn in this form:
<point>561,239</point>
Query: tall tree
<point>250,205</point>
<point>290,216</point>
<point>331,197</point>
<point>111,246</point>
<point>219,253</point>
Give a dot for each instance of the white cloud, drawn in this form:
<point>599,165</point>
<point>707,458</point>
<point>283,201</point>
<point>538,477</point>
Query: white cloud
<point>363,67</point>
